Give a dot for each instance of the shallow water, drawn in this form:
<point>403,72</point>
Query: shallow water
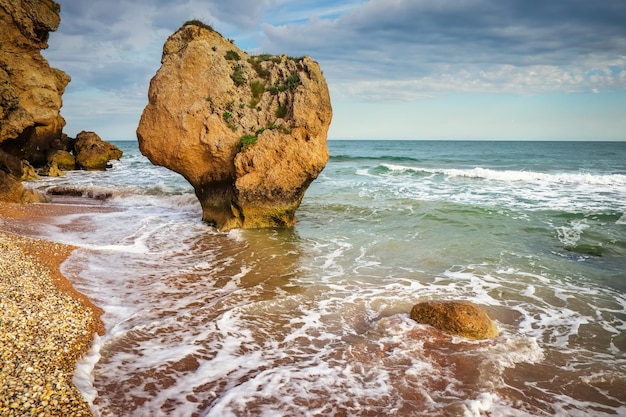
<point>314,320</point>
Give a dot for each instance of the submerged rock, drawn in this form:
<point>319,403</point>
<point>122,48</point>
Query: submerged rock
<point>248,133</point>
<point>461,318</point>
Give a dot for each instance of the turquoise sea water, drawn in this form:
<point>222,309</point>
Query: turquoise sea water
<point>314,320</point>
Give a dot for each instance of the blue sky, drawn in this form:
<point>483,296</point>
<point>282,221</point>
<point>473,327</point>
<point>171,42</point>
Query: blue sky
<point>396,69</point>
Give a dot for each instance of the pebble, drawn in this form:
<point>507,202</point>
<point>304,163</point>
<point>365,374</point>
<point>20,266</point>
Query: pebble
<point>43,332</point>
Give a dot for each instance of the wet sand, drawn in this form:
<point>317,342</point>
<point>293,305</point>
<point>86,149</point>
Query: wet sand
<point>45,324</point>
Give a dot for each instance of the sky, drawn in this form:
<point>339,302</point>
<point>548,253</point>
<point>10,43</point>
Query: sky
<point>396,69</point>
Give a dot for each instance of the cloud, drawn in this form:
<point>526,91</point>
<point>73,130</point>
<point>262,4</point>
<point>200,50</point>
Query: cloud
<point>375,51</point>
<point>510,46</point>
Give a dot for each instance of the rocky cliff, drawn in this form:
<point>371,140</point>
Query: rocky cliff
<point>30,101</point>
<point>30,90</point>
<point>248,132</point>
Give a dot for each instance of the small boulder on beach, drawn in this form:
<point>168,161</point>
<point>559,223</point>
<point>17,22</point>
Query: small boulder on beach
<point>460,318</point>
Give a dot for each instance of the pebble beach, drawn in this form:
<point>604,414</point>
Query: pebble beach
<point>45,326</point>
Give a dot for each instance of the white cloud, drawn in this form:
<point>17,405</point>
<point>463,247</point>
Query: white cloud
<point>376,51</point>
<point>385,47</point>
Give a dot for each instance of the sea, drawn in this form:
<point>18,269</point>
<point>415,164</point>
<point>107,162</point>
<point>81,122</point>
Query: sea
<point>314,320</point>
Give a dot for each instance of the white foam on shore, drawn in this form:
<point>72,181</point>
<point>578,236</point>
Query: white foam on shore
<point>316,322</point>
<point>83,375</point>
<point>200,328</point>
<point>262,323</point>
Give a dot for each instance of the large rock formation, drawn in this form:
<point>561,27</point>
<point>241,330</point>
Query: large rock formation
<point>92,153</point>
<point>30,101</point>
<point>461,318</point>
<point>30,90</point>
<point>249,133</point>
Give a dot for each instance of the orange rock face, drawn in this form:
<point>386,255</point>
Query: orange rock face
<point>249,133</point>
<point>460,318</point>
<point>30,90</point>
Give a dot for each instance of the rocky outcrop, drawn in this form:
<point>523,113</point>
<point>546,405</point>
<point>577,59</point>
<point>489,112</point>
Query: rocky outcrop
<point>30,101</point>
<point>92,153</point>
<point>248,132</point>
<point>58,162</point>
<point>461,318</point>
<point>11,190</point>
<point>30,90</point>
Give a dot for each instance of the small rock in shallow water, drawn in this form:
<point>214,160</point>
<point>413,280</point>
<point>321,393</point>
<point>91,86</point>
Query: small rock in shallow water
<point>460,318</point>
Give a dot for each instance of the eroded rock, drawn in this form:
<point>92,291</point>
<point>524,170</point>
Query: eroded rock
<point>28,172</point>
<point>30,90</point>
<point>64,160</point>
<point>248,133</point>
<point>461,318</point>
<point>92,153</point>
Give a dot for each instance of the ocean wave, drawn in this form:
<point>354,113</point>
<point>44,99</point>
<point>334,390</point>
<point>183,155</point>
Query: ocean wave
<point>158,194</point>
<point>349,158</point>
<point>515,176</point>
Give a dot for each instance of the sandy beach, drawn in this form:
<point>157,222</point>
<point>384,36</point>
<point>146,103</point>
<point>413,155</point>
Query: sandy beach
<point>45,325</point>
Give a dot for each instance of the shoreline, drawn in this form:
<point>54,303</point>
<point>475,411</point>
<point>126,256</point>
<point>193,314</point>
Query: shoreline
<point>46,325</point>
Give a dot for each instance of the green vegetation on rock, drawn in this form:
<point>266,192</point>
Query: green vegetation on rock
<point>199,23</point>
<point>247,141</point>
<point>232,56</point>
<point>238,76</point>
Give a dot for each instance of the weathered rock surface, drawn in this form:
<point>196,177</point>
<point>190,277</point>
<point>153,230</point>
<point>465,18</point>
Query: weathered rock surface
<point>28,172</point>
<point>249,133</point>
<point>63,159</point>
<point>12,190</point>
<point>30,99</point>
<point>92,153</point>
<point>30,90</point>
<point>11,173</point>
<point>461,318</point>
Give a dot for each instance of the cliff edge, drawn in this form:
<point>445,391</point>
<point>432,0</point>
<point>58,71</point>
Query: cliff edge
<point>248,132</point>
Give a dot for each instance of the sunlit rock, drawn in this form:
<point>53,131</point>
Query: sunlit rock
<point>248,133</point>
<point>461,318</point>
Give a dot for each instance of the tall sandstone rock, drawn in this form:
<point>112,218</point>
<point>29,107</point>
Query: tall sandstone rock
<point>30,90</point>
<point>249,133</point>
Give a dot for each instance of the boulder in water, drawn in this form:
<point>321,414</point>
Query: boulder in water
<point>92,153</point>
<point>248,132</point>
<point>460,318</point>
